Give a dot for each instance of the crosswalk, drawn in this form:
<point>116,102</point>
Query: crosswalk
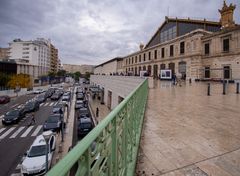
<point>48,104</point>
<point>20,132</point>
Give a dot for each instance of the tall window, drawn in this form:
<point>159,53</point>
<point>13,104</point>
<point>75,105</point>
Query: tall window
<point>171,50</point>
<point>207,49</point>
<point>149,55</point>
<point>226,45</point>
<point>140,58</point>
<point>182,47</point>
<point>155,54</point>
<point>144,57</point>
<point>162,53</point>
<point>129,61</point>
<point>135,59</point>
<point>132,60</point>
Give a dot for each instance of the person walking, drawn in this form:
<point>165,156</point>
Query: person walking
<point>174,79</point>
<point>179,79</point>
<point>33,121</point>
<point>97,112</point>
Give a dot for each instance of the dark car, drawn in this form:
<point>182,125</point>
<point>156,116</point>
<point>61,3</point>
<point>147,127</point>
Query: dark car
<point>80,96</point>
<point>13,116</point>
<point>31,106</point>
<point>79,90</point>
<point>79,104</point>
<point>55,96</point>
<point>42,98</point>
<point>83,112</point>
<point>53,123</point>
<point>57,109</point>
<point>85,125</point>
<point>4,99</point>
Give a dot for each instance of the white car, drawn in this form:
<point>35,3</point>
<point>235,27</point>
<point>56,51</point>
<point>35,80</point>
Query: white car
<point>34,162</point>
<point>38,91</point>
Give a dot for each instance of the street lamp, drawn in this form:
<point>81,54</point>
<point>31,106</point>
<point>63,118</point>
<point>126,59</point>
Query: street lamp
<point>47,135</point>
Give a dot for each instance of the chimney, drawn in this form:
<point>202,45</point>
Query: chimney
<point>141,46</point>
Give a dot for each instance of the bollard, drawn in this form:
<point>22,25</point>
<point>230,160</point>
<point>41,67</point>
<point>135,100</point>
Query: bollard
<point>224,87</point>
<point>208,91</point>
<point>237,88</point>
<point>190,80</point>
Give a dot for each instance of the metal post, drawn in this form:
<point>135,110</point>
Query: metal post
<point>237,91</point>
<point>208,90</point>
<point>224,87</point>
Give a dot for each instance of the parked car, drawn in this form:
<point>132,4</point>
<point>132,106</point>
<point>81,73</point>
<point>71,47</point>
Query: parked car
<point>38,91</point>
<point>80,96</point>
<point>79,104</point>
<point>56,108</point>
<point>83,112</point>
<point>4,99</point>
<point>42,98</point>
<point>31,106</point>
<point>53,123</point>
<point>66,98</point>
<point>34,161</point>
<point>56,96</point>
<point>85,125</point>
<point>13,116</point>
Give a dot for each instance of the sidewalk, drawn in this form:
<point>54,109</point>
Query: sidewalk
<point>186,132</point>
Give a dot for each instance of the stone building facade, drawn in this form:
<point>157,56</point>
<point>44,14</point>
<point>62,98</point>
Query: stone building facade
<point>113,66</point>
<point>196,49</point>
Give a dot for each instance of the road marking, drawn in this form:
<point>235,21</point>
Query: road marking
<point>14,105</point>
<point>2,129</point>
<point>27,131</point>
<point>51,104</point>
<point>55,103</point>
<point>7,133</point>
<point>37,130</point>
<point>46,104</point>
<point>17,132</point>
<point>1,116</point>
<point>41,104</point>
<point>18,167</point>
<point>16,174</point>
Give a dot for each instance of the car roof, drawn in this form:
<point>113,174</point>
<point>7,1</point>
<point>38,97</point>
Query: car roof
<point>85,120</point>
<point>39,141</point>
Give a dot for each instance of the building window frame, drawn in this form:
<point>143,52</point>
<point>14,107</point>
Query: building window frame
<point>171,51</point>
<point>207,48</point>
<point>149,55</point>
<point>162,52</point>
<point>182,47</point>
<point>140,58</point>
<point>144,57</point>
<point>155,54</point>
<point>226,44</point>
<point>135,59</point>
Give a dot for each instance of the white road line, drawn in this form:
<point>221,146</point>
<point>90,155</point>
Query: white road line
<point>14,105</point>
<point>7,133</point>
<point>27,131</point>
<point>2,129</point>
<point>41,104</point>
<point>18,166</point>
<point>17,132</point>
<point>55,103</point>
<point>37,130</point>
<point>46,104</point>
<point>16,174</point>
<point>51,104</point>
<point>1,116</point>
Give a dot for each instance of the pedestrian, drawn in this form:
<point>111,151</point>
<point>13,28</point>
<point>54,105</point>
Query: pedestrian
<point>179,77</point>
<point>97,112</point>
<point>174,79</point>
<point>33,121</point>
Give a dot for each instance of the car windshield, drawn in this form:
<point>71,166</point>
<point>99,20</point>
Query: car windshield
<point>85,125</point>
<point>39,150</point>
<point>12,113</point>
<point>29,104</point>
<point>53,119</point>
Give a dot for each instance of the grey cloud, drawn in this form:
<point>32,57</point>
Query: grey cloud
<point>93,31</point>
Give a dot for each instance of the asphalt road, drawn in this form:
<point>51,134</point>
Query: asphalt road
<point>15,140</point>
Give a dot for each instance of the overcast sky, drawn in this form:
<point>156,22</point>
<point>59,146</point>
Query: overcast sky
<point>93,31</point>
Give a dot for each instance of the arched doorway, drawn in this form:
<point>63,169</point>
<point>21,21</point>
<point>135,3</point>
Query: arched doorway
<point>149,70</point>
<point>139,69</point>
<point>182,68</point>
<point>162,66</point>
<point>171,66</point>
<point>144,68</point>
<point>155,71</point>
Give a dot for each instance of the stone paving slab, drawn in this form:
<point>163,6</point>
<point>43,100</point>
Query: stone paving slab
<point>187,133</point>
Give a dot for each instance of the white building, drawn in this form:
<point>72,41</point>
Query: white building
<point>36,52</point>
<point>113,66</point>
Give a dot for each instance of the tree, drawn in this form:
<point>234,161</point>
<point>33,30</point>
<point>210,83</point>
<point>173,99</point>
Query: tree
<point>4,79</point>
<point>87,75</point>
<point>61,73</point>
<point>19,80</point>
<point>77,75</point>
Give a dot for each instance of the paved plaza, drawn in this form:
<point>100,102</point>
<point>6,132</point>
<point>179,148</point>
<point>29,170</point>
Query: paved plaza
<point>187,133</point>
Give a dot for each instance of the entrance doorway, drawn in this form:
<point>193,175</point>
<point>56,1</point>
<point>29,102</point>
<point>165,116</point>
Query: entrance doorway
<point>109,100</point>
<point>150,70</point>
<point>155,71</point>
<point>182,68</point>
<point>171,66</point>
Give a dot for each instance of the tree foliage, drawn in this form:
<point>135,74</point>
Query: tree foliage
<point>19,80</point>
<point>77,75</point>
<point>4,79</point>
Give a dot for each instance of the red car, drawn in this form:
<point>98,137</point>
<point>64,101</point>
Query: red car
<point>4,99</point>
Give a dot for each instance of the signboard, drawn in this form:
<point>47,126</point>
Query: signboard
<point>166,74</point>
<point>143,73</point>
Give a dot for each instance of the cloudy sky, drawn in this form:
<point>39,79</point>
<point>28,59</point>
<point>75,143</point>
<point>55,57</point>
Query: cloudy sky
<point>93,31</point>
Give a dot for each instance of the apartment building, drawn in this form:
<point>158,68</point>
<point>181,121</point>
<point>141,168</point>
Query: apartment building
<point>4,53</point>
<point>54,66</point>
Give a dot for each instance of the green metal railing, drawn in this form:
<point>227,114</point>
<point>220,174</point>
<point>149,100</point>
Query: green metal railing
<point>111,147</point>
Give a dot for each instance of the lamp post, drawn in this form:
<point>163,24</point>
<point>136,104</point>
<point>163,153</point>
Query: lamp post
<point>47,136</point>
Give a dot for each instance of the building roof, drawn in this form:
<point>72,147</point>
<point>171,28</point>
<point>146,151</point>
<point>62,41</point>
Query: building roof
<point>111,60</point>
<point>184,20</point>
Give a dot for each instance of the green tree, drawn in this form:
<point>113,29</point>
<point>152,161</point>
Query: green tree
<point>87,75</point>
<point>21,80</point>
<point>61,73</point>
<point>4,79</point>
<point>77,75</point>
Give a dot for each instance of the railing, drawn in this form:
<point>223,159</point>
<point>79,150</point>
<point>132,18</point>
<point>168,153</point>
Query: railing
<point>111,147</point>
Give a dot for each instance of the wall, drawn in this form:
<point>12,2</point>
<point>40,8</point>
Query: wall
<point>118,85</point>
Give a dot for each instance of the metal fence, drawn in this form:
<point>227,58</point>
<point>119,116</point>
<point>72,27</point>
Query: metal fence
<point>111,147</point>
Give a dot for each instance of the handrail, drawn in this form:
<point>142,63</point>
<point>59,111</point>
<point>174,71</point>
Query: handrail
<point>111,147</point>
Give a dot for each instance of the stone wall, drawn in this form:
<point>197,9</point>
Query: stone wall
<point>119,86</point>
